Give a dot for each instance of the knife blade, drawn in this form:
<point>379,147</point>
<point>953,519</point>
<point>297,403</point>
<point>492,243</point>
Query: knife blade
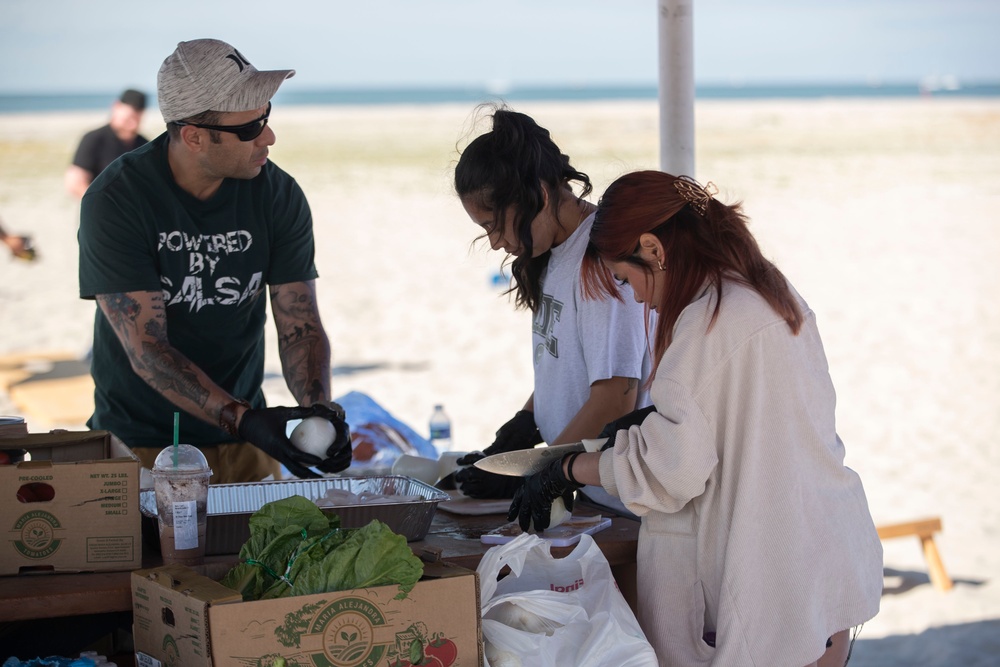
<point>524,462</point>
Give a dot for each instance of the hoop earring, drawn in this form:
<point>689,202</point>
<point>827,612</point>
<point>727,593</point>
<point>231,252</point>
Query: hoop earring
<point>660,266</point>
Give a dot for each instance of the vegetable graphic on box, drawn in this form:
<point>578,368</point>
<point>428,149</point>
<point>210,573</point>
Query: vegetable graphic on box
<point>37,532</point>
<point>296,623</point>
<point>345,628</point>
<point>443,649</point>
<point>414,650</point>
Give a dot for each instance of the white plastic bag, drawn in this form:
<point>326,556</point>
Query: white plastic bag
<point>556,611</point>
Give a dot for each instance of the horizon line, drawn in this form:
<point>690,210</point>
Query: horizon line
<point>504,86</point>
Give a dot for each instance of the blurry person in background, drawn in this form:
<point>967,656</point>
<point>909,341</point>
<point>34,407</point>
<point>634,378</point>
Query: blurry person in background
<point>102,146</point>
<point>19,246</point>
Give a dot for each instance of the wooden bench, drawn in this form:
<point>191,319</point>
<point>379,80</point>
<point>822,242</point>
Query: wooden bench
<point>923,529</point>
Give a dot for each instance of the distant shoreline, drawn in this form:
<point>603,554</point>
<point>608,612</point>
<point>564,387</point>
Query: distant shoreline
<point>27,102</point>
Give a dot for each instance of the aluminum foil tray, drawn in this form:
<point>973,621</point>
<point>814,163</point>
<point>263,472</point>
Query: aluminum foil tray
<point>230,507</point>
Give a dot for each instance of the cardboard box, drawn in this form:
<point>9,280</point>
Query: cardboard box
<point>74,507</point>
<point>170,615</point>
<point>183,618</point>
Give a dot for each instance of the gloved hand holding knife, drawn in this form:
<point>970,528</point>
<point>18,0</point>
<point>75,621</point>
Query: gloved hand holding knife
<point>532,503</point>
<point>518,433</point>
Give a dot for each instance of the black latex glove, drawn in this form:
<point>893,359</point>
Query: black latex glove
<point>532,504</point>
<point>634,418</point>
<point>265,428</point>
<point>518,433</point>
<point>338,409</point>
<point>477,483</point>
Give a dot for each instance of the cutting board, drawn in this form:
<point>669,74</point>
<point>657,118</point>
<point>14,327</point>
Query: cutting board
<point>461,504</point>
<point>563,535</point>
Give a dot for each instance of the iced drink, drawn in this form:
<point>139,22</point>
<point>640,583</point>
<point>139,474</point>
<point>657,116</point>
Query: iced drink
<point>180,480</point>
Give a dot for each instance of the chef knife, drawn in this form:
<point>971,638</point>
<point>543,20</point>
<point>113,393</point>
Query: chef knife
<point>524,462</point>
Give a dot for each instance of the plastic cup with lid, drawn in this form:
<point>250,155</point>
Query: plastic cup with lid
<point>180,481</point>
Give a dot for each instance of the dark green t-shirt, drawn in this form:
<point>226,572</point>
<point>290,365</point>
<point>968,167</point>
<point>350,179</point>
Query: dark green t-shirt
<point>211,259</point>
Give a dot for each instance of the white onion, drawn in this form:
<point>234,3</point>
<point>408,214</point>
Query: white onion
<point>557,515</point>
<point>498,658</point>
<point>314,435</point>
<point>513,615</point>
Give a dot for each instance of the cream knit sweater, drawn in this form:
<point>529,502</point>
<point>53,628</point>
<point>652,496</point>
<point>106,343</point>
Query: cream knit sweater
<point>752,527</point>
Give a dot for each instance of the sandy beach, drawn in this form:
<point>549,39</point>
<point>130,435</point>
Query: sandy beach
<point>885,214</point>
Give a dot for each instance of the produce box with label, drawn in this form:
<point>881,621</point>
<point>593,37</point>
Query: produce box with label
<point>183,618</point>
<point>73,507</point>
<point>307,592</point>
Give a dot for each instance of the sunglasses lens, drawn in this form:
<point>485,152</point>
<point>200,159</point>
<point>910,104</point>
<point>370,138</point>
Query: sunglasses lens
<point>251,131</point>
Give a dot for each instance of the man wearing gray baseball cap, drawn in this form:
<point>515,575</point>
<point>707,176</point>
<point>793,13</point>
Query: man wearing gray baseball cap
<point>177,242</point>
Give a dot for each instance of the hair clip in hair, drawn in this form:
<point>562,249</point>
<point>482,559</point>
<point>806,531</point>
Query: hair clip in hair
<point>694,193</point>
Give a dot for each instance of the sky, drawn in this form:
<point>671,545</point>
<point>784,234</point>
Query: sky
<point>105,45</point>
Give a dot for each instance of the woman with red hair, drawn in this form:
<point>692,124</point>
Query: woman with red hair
<point>756,546</point>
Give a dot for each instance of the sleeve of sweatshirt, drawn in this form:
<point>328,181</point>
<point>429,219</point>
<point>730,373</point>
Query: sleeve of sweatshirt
<point>664,462</point>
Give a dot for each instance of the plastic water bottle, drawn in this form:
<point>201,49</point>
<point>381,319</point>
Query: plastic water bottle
<point>440,429</point>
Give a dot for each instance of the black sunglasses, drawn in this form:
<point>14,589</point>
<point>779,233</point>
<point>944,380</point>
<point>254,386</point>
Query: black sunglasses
<point>245,132</point>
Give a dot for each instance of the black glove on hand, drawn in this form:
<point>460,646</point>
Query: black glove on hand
<point>634,418</point>
<point>477,483</point>
<point>265,428</point>
<point>518,433</point>
<point>532,504</point>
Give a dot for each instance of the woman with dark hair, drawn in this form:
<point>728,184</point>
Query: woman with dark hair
<point>590,357</point>
<point>756,546</point>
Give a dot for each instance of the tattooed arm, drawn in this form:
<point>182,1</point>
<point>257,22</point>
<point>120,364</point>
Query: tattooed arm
<point>140,322</point>
<point>303,346</point>
<point>609,399</point>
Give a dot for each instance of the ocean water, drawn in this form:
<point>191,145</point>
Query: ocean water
<point>20,103</point>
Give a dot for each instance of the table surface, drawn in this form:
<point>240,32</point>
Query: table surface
<point>452,538</point>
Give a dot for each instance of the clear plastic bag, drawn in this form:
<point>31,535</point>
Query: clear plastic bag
<point>556,611</point>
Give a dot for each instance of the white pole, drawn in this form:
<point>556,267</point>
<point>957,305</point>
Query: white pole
<point>676,87</point>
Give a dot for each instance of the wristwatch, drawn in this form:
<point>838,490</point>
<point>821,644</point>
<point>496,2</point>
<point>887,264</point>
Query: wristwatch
<point>227,416</point>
